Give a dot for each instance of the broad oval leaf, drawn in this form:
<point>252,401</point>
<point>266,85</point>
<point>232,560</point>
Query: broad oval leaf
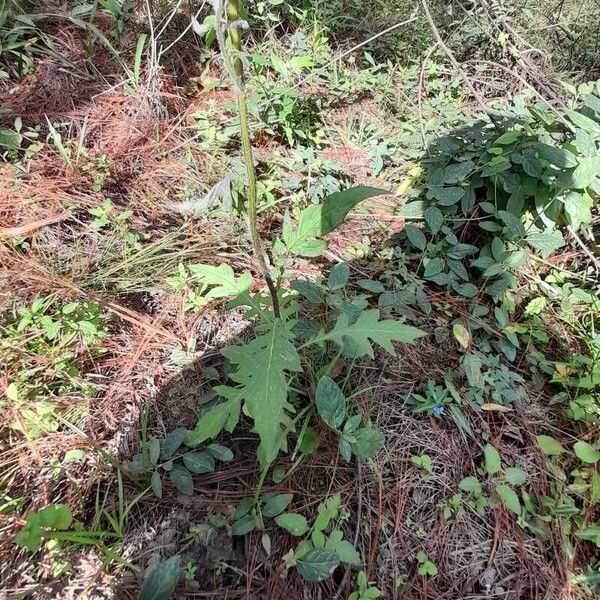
<point>243,525</point>
<point>276,504</point>
<point>171,443</point>
<point>162,581</point>
<point>318,564</point>
<point>292,522</point>
<point>415,236</point>
<point>509,498</point>
<point>220,452</point>
<point>368,442</point>
<point>549,445</point>
<point>331,402</point>
<point>199,462</point>
<point>154,450</point>
<point>586,452</point>
<point>338,276</point>
<point>156,484</point>
<point>346,552</point>
<point>182,480</point>
<point>492,459</point>
<point>515,476</point>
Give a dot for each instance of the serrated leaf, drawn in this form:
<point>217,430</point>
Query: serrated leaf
<point>368,442</point>
<point>199,462</point>
<point>292,522</point>
<point>591,534</point>
<point>492,459</point>
<point>472,366</point>
<point>55,516</point>
<point>162,581</point>
<point>331,402</point>
<point>318,539</point>
<point>182,480</point>
<point>547,242</point>
<point>535,306</point>
<point>261,370</point>
<point>515,476</point>
<point>317,564</point>
<point>368,328</point>
<point>586,171</point>
<point>549,445</point>
<point>276,504</point>
<point>578,208</point>
<point>471,485</point>
<point>586,452</point>
<point>346,552</point>
<point>222,416</point>
<point>509,498</point>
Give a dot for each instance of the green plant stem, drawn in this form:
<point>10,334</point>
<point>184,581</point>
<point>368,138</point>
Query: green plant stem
<point>235,69</point>
<point>251,208</point>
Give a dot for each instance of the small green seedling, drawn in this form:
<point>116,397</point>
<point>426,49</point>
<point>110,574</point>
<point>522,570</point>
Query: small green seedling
<point>319,554</point>
<point>424,462</point>
<point>43,524</point>
<point>426,566</point>
<point>363,591</point>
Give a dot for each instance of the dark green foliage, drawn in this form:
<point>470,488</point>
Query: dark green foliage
<point>490,194</point>
<point>172,456</point>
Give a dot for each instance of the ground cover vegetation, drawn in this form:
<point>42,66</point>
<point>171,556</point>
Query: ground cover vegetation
<point>300,299</point>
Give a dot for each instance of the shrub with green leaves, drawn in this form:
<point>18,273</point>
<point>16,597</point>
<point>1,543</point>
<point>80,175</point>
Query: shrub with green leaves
<point>492,191</point>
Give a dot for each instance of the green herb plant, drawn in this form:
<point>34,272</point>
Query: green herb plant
<point>55,523</point>
<point>169,456</point>
<point>281,379</point>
